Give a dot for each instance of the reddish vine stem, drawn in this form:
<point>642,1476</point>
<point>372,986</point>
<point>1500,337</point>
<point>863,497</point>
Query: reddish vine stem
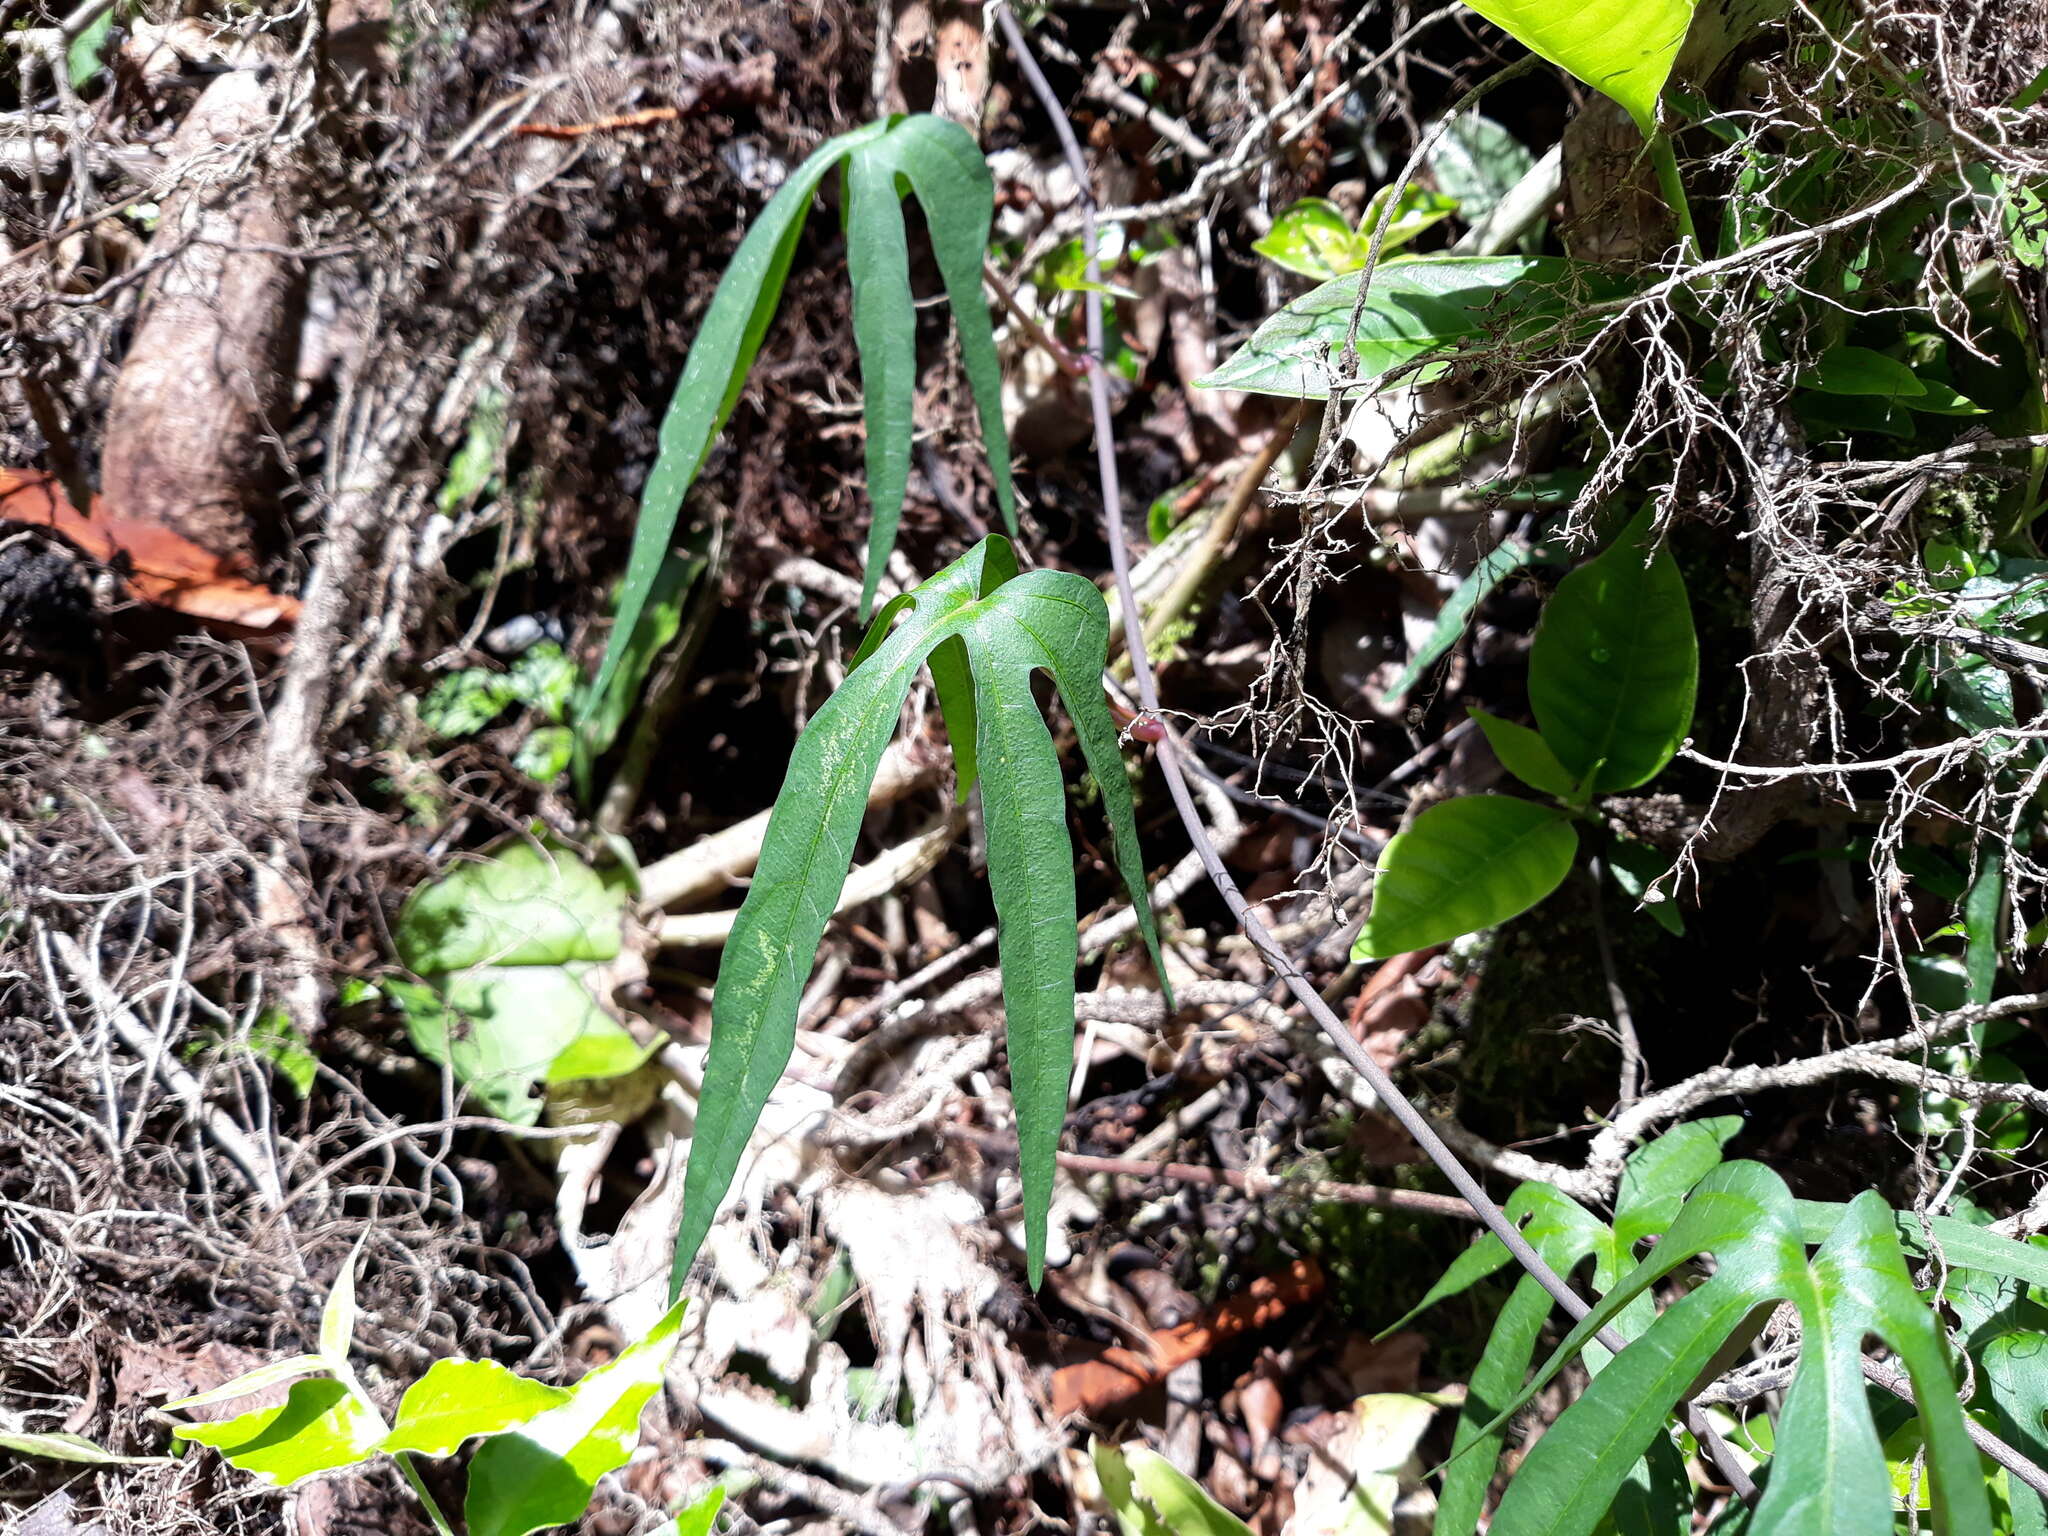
<point>1169,748</point>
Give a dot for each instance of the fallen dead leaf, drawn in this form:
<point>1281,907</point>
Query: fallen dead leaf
<point>161,567</point>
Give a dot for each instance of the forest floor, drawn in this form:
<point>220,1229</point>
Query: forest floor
<point>316,647</point>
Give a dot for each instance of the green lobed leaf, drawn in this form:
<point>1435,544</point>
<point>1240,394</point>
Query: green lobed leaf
<point>1464,865</point>
<point>1526,755</point>
<point>544,1472</point>
<point>1433,306</point>
<point>459,1399</point>
<point>885,331</point>
<point>713,375</point>
<point>319,1427</point>
<point>1622,48</point>
<point>1615,664</point>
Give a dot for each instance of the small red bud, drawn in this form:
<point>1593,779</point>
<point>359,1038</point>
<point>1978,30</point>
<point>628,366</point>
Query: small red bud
<point>1148,728</point>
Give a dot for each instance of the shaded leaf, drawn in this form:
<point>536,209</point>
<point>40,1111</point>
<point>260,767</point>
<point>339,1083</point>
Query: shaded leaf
<point>1860,371</point>
<point>520,902</point>
<point>1464,865</point>
<point>1499,563</point>
<point>1525,754</point>
<point>1476,161</point>
<point>1615,664</point>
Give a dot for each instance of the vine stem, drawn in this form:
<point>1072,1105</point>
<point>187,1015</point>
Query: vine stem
<point>1665,159</point>
<point>1169,749</point>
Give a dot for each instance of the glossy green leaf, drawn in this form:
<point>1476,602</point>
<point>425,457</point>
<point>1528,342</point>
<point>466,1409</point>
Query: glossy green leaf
<point>459,1399</point>
<point>320,1426</point>
<point>1525,754</point>
<point>1494,567</point>
<point>520,902</point>
<point>1464,865</point>
<point>1860,371</point>
<point>60,1446</point>
<point>1622,48</point>
<point>1434,307</point>
<point>1615,664</point>
<point>1007,627</point>
<point>544,1472</point>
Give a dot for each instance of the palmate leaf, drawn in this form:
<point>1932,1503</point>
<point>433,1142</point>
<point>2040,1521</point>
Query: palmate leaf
<point>987,631</point>
<point>938,160</point>
<point>1829,1476</point>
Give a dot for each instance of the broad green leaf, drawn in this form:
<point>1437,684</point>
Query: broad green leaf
<point>697,1518</point>
<point>1525,754</point>
<point>713,376</point>
<point>1464,865</point>
<point>1615,664</point>
<point>251,1381</point>
<point>2015,1369</point>
<point>543,1472</point>
<point>459,1399</point>
<point>1499,563</point>
<point>1432,307</point>
<point>805,854</point>
<point>319,1427</point>
<point>1624,49</point>
<point>59,1446</point>
<point>1134,1515</point>
<point>521,902</point>
<point>885,330</point>
<point>1313,238</point>
<point>1417,209</point>
<point>1007,629</point>
<point>1184,1507</point>
<point>1860,371</point>
<point>1476,162</point>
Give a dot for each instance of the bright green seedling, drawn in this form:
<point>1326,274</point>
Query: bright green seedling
<point>510,948</point>
<point>1150,1496</point>
<point>1315,239</point>
<point>1421,314</point>
<point>937,162</point>
<point>544,1447</point>
<point>1614,1451</point>
<point>1612,675</point>
<point>985,630</point>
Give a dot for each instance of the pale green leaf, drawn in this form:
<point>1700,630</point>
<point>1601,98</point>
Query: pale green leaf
<point>697,1518</point>
<point>1476,162</point>
<point>1525,754</point>
<point>544,1472</point>
<point>59,1446</point>
<point>1615,664</point>
<point>1464,865</point>
<point>1185,1508</point>
<point>1311,237</point>
<point>251,1381</point>
<point>321,1426</point>
<point>459,1399</point>
<point>1622,48</point>
<point>521,902</point>
<point>338,1316</point>
<point>1134,1515</point>
<point>1432,307</point>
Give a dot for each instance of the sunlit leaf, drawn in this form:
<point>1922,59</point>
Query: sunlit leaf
<point>459,1399</point>
<point>1622,48</point>
<point>321,1426</point>
<point>60,1446</point>
<point>1464,865</point>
